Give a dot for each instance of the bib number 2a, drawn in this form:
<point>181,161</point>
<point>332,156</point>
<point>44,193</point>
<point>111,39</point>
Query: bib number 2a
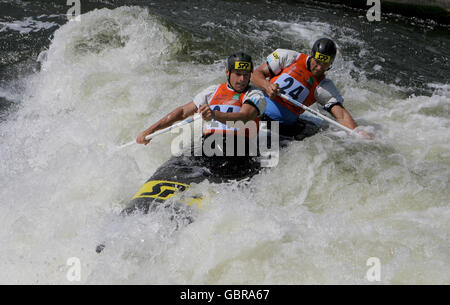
<point>292,87</point>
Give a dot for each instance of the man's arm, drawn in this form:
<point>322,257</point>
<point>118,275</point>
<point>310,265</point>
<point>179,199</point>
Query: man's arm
<point>343,117</point>
<point>176,115</point>
<point>253,106</point>
<point>246,113</point>
<point>275,63</point>
<point>259,79</point>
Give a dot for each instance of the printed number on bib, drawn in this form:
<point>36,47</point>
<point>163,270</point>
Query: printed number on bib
<point>223,108</point>
<point>292,87</point>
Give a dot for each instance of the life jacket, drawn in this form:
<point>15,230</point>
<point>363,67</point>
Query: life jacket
<point>297,82</point>
<point>227,100</point>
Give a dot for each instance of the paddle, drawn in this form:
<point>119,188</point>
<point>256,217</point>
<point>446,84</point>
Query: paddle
<point>167,129</point>
<point>316,113</point>
<point>100,247</point>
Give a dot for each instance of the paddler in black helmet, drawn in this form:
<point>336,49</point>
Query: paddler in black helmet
<point>302,77</point>
<point>232,101</point>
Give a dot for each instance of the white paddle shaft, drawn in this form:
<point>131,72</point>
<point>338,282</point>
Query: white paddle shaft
<point>290,99</point>
<point>167,129</point>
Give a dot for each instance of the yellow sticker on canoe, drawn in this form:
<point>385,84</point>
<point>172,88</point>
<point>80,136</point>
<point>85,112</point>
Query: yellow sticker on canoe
<point>160,189</point>
<point>243,65</point>
<point>322,57</point>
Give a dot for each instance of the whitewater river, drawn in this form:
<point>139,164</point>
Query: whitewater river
<point>72,92</point>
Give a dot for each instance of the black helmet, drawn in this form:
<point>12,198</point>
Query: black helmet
<point>240,61</point>
<point>324,49</point>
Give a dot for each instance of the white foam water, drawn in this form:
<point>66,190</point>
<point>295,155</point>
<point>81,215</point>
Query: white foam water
<point>27,25</point>
<point>332,202</point>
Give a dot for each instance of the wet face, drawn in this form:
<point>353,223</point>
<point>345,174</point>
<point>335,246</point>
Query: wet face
<point>318,68</point>
<point>239,79</point>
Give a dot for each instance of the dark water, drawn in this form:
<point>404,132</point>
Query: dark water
<point>411,52</point>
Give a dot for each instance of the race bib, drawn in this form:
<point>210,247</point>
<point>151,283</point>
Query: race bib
<point>292,87</point>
